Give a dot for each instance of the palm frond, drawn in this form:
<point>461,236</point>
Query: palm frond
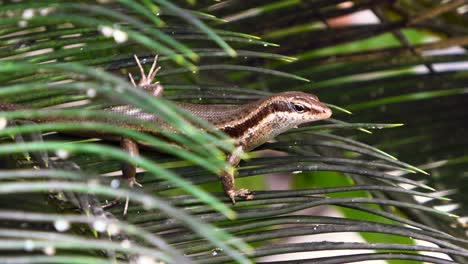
<point>75,54</point>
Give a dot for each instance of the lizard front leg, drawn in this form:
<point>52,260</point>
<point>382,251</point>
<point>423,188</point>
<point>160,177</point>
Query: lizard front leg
<point>146,81</point>
<point>155,89</point>
<point>127,144</point>
<point>228,180</point>
<point>129,170</point>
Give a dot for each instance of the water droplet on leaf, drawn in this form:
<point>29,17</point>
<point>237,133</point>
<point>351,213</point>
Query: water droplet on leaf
<point>115,183</point>
<point>91,93</point>
<point>49,250</point>
<point>29,245</point>
<point>125,243</point>
<point>61,225</point>
<point>62,154</point>
<point>100,225</point>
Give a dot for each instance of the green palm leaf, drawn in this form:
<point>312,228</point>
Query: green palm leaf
<point>76,55</point>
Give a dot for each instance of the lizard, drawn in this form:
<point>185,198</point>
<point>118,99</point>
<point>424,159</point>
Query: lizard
<point>250,125</point>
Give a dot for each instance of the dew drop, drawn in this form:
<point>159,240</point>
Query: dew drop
<point>120,36</point>
<point>62,154</point>
<point>22,23</point>
<point>146,260</point>
<point>462,10</point>
<point>61,225</point>
<point>106,31</point>
<point>28,13</point>
<point>100,225</point>
<point>29,245</point>
<point>113,229</point>
<point>91,93</point>
<point>125,243</point>
<point>49,250</point>
<point>45,11</point>
<point>216,251</point>
<point>3,122</point>
<point>115,183</point>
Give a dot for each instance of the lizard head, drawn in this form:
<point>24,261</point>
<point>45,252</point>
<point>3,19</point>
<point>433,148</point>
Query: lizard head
<point>260,121</point>
<point>303,108</point>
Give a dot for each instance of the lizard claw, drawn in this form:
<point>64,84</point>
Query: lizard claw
<point>153,71</point>
<point>132,80</point>
<point>146,79</point>
<point>133,181</point>
<point>116,201</point>
<point>243,193</point>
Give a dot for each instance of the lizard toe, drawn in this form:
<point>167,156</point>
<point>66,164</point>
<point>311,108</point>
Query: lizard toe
<point>243,193</point>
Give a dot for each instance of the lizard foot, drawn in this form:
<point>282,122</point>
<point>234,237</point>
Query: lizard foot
<point>243,193</point>
<point>146,79</point>
<point>133,181</point>
<point>155,89</point>
<point>117,200</point>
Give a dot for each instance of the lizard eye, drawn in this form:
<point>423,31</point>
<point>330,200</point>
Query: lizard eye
<point>298,108</point>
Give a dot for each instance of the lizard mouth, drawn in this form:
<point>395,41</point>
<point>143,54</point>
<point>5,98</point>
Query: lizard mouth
<point>321,111</point>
